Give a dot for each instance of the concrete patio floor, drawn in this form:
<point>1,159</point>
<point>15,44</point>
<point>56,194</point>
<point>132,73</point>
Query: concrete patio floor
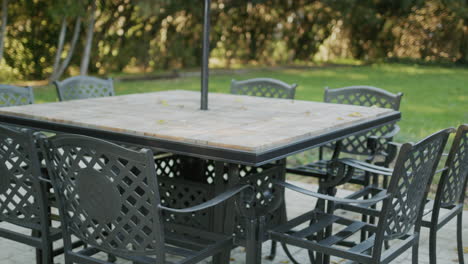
<point>15,253</point>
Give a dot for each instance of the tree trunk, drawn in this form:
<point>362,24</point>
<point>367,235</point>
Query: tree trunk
<point>4,24</point>
<point>65,62</point>
<point>89,42</point>
<point>61,40</point>
<point>464,44</point>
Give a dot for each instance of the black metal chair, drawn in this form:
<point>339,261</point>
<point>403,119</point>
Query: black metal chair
<point>370,146</point>
<point>23,194</point>
<point>83,87</point>
<point>109,199</point>
<point>399,209</point>
<point>264,87</point>
<point>450,194</point>
<point>13,95</point>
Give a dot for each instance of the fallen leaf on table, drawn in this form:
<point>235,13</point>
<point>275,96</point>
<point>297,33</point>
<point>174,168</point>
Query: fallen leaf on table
<point>339,118</point>
<point>355,114</point>
<point>238,100</point>
<point>308,113</point>
<point>284,261</point>
<point>465,250</point>
<point>243,108</point>
<point>161,122</point>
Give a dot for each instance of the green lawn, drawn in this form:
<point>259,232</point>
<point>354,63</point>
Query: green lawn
<point>434,97</point>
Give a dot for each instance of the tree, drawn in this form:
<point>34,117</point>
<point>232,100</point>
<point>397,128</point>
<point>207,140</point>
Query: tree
<point>61,41</point>
<point>4,25</point>
<point>61,69</point>
<point>63,9</point>
<point>89,40</point>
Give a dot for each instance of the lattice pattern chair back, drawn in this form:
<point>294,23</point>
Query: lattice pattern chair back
<point>264,87</point>
<point>414,170</point>
<point>453,181</point>
<point>83,87</point>
<point>108,195</point>
<point>14,95</point>
<point>363,96</point>
<point>21,199</point>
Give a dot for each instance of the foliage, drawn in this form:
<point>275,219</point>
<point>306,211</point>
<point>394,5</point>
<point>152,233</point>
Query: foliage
<point>166,34</point>
<point>7,74</point>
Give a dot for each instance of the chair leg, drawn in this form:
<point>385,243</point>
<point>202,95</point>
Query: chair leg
<point>111,258</point>
<point>364,218</point>
<point>415,252</point>
<point>42,256</point>
<point>272,251</point>
<point>282,219</point>
<point>461,259</point>
<point>67,260</point>
<point>433,245</point>
<point>38,250</point>
<point>47,256</point>
<point>223,258</point>
<point>289,255</point>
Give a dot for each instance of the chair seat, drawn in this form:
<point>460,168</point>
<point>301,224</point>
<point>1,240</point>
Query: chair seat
<point>443,218</point>
<point>318,169</point>
<point>341,243</point>
<point>309,236</point>
<point>190,244</point>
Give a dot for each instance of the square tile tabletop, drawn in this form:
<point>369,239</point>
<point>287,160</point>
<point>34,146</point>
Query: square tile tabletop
<point>244,129</point>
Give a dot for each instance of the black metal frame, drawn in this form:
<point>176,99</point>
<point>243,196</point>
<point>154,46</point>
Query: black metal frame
<point>270,88</point>
<point>70,89</point>
<point>75,162</point>
<point>205,70</point>
<point>371,144</point>
<point>264,87</point>
<point>27,202</point>
<point>207,152</point>
<point>450,194</point>
<point>21,95</point>
<point>399,217</point>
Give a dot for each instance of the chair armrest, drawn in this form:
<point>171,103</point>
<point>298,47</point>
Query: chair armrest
<point>210,203</point>
<point>328,197</point>
<point>373,142</point>
<point>368,167</point>
<point>390,134</point>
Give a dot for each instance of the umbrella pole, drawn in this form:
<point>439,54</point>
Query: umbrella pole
<point>206,56</point>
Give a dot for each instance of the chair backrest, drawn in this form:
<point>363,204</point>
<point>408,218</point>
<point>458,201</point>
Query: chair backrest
<point>21,198</point>
<point>452,184</point>
<point>14,95</point>
<point>83,87</point>
<point>409,185</point>
<point>363,96</point>
<point>264,87</point>
<point>108,195</point>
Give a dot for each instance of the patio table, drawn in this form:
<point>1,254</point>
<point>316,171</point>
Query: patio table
<point>236,131</point>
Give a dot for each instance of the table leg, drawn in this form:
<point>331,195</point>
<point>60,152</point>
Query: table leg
<point>255,231</point>
<point>223,217</point>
